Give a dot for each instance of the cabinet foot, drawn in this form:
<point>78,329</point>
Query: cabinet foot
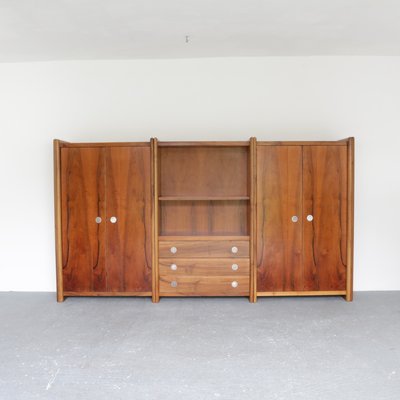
<point>60,298</point>
<point>348,297</point>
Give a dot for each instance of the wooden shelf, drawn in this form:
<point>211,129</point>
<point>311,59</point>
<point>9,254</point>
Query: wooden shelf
<point>203,198</point>
<point>208,237</point>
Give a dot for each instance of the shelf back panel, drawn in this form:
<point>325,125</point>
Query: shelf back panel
<point>195,218</point>
<point>204,171</point>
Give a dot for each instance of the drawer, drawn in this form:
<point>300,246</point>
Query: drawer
<point>203,248</point>
<point>183,285</point>
<point>204,266</point>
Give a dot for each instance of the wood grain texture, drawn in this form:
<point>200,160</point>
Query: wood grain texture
<point>350,219</point>
<point>204,248</point>
<point>105,144</point>
<point>108,294</point>
<point>207,238</point>
<point>205,266</point>
<point>302,293</point>
<point>204,285</point>
<point>205,144</point>
<point>325,198</point>
<point>155,220</point>
<point>253,218</point>
<point>203,171</point>
<point>196,218</point>
<point>303,143</point>
<point>129,200</point>
<point>82,200</point>
<point>279,240</point>
<point>58,218</point>
<point>202,198</point>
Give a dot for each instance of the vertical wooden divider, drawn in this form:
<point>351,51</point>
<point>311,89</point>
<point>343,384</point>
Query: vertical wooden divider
<point>154,217</point>
<point>350,218</point>
<point>253,220</point>
<point>57,217</point>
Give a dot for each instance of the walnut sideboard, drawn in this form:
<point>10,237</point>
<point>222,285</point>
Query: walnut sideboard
<point>250,218</point>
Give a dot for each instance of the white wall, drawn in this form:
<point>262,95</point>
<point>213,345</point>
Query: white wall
<point>310,98</point>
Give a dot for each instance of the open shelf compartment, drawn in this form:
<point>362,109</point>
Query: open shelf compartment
<point>204,191</point>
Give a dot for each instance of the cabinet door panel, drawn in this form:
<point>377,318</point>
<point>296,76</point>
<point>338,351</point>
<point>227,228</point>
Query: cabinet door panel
<point>325,198</point>
<point>129,200</point>
<point>82,200</point>
<point>279,240</point>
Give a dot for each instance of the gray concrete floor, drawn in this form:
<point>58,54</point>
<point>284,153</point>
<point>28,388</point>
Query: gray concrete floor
<point>129,348</point>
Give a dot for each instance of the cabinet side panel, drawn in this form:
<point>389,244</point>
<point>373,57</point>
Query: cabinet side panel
<point>82,200</point>
<point>325,199</point>
<point>57,218</point>
<point>279,240</point>
<point>128,251</point>
<point>350,219</point>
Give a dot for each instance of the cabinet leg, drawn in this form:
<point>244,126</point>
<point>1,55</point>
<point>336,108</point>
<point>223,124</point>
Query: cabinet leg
<point>60,298</point>
<point>253,299</point>
<point>155,299</point>
<point>349,297</point>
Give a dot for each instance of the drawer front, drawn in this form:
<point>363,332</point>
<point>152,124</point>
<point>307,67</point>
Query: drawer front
<point>183,285</point>
<point>204,248</point>
<point>204,266</point>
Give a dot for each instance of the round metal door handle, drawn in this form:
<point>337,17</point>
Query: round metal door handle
<point>98,220</point>
<point>174,267</point>
<point>113,220</point>
<point>310,218</point>
<point>174,283</point>
<point>234,249</point>
<point>235,284</point>
<point>235,267</point>
<point>295,218</point>
<point>173,249</point>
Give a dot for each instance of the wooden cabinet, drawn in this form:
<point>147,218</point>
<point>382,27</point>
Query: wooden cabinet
<point>105,215</point>
<point>204,225</point>
<point>304,219</point>
<point>204,218</point>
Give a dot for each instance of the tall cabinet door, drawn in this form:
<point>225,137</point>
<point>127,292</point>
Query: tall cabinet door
<point>82,204</point>
<point>279,218</point>
<point>325,216</point>
<point>128,215</point>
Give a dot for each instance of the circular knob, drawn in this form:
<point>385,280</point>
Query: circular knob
<point>235,267</point>
<point>98,220</point>
<point>113,220</point>
<point>234,284</point>
<point>310,218</point>
<point>295,218</point>
<point>174,283</point>
<point>174,267</point>
<point>173,249</point>
<point>234,249</point>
